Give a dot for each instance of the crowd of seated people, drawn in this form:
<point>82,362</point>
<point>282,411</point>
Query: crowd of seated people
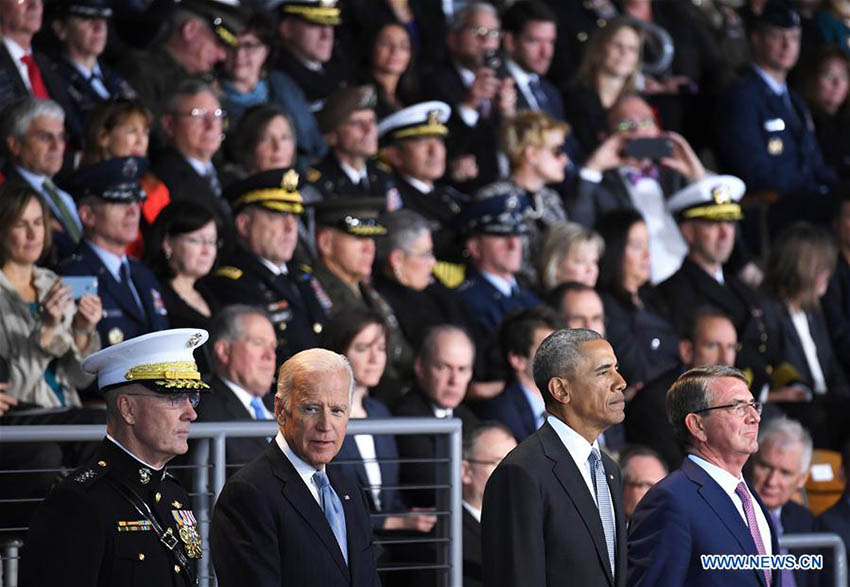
<point>429,188</point>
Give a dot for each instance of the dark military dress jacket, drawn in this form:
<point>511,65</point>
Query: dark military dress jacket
<point>317,85</point>
<point>122,317</point>
<point>295,301</point>
<point>88,532</point>
<point>332,181</point>
<point>759,328</point>
<point>440,207</point>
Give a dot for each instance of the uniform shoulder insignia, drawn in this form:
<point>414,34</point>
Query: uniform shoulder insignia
<point>305,267</point>
<point>87,475</point>
<point>381,166</point>
<point>229,272</point>
<point>312,174</point>
<point>465,285</point>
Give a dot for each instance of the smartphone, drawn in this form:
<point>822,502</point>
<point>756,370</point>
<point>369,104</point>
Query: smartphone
<point>81,285</point>
<point>493,60</point>
<point>649,148</point>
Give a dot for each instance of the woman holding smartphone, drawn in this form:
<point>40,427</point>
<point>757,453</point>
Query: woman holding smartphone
<point>44,335</point>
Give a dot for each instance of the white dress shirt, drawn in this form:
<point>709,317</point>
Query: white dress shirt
<point>366,447</point>
<point>728,482</point>
<point>305,470</point>
<point>474,512</point>
<point>246,398</point>
<point>801,325</point>
<point>579,449</point>
<point>16,52</point>
<point>521,79</point>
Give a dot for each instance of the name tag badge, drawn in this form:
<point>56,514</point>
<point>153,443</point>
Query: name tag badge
<point>774,125</point>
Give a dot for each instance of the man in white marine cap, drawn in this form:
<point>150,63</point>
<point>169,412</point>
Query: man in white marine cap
<point>123,519</point>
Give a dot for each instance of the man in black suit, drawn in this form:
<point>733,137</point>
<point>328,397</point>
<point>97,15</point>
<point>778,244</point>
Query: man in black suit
<point>443,369</point>
<point>557,479</point>
<point>478,91</point>
<point>610,180</point>
<point>284,520</point>
<point>243,344</point>
<point>483,448</point>
<point>193,123</point>
<point>24,72</point>
<point>777,471</point>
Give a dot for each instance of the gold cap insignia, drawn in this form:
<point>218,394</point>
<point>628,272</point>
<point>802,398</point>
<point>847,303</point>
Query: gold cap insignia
<point>290,181</point>
<point>144,476</point>
<point>433,118</point>
<point>721,194</point>
<point>115,336</point>
<point>775,146</point>
<point>194,340</point>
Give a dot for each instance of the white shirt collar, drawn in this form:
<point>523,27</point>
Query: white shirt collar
<point>418,184</point>
<point>276,269</point>
<point>199,166</point>
<point>122,447</point>
<point>521,77</point>
<point>538,406</point>
<point>354,175</point>
<point>578,446</point>
<point>474,512</point>
<point>441,412</point>
<point>112,261</point>
<point>244,396</point>
<point>499,283</point>
<point>15,50</point>
<point>467,76</point>
<point>84,71</point>
<point>774,86</point>
<point>34,179</point>
<point>304,469</point>
<point>727,481</point>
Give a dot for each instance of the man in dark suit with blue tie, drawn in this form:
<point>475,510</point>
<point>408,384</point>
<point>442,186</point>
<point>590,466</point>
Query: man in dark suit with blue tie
<point>552,512</point>
<point>763,131</point>
<point>705,507</point>
<point>284,519</point>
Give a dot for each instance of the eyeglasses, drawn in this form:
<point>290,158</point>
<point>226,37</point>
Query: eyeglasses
<point>176,400</point>
<point>558,150</point>
<point>482,32</point>
<point>199,114</point>
<point>740,408</point>
<point>429,254</point>
<point>627,124</point>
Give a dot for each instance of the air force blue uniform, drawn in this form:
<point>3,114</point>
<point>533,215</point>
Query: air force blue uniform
<point>122,316</point>
<point>772,147</point>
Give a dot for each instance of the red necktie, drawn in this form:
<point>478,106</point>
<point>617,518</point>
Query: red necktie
<point>36,81</point>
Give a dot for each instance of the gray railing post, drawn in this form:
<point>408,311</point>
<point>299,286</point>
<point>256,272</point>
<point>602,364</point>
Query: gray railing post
<point>201,486</point>
<point>819,540</point>
<point>455,507</point>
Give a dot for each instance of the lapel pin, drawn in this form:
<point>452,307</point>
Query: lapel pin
<point>346,497</point>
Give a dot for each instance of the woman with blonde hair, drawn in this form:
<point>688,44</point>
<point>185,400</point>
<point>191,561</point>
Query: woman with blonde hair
<point>571,252</point>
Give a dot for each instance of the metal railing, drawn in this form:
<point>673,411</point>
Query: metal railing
<point>819,540</point>
<point>211,437</point>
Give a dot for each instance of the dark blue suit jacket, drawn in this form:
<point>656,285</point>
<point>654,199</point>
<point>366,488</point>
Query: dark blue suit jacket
<point>511,409</point>
<point>686,515</point>
<point>268,530</point>
<point>121,314</point>
<point>386,451</point>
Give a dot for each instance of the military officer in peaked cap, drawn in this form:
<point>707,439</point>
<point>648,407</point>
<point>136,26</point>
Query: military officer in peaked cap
<point>122,519</point>
<point>493,228</point>
<point>708,212</point>
<point>349,168</point>
<point>346,228</point>
<point>413,142</point>
<point>260,270</point>
<point>108,196</point>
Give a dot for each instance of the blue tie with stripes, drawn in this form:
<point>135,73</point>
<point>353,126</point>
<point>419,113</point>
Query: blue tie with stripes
<point>603,501</point>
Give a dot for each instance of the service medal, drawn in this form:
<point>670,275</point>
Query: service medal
<point>188,532</point>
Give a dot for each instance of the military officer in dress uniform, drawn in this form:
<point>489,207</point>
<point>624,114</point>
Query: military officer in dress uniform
<point>707,212</point>
<point>494,228</point>
<point>348,124</point>
<point>260,270</point>
<point>346,228</point>
<point>107,196</point>
<point>307,29</point>
<point>122,519</point>
<point>413,141</point>
<point>81,25</point>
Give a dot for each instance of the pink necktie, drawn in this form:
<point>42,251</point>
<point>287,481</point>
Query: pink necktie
<point>742,492</point>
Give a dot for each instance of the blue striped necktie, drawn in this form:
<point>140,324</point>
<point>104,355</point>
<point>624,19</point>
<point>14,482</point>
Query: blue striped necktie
<point>332,507</point>
<point>603,501</point>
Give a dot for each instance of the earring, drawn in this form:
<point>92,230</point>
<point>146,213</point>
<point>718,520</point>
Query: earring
<point>167,255</point>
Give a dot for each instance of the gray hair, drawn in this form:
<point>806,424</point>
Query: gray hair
<point>560,240</point>
<point>471,436</point>
<point>782,432</point>
<point>228,325</point>
<point>403,228</point>
<point>306,362</point>
<point>460,18</point>
<point>691,393</point>
<point>18,116</point>
<point>187,88</point>
<point>558,356</point>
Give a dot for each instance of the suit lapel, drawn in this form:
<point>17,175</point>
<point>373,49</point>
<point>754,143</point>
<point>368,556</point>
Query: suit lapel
<point>571,480</point>
<point>722,505</point>
<point>302,501</point>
